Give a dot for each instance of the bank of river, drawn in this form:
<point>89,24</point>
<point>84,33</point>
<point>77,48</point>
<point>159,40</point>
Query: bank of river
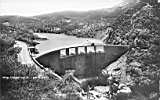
<point>56,41</point>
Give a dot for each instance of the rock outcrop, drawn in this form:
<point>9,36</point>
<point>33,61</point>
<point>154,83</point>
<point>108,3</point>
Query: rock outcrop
<point>139,28</point>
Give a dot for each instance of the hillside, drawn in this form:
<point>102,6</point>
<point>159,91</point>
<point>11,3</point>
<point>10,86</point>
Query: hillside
<point>25,23</point>
<point>140,28</point>
<point>69,22</point>
<point>133,24</point>
<point>62,22</point>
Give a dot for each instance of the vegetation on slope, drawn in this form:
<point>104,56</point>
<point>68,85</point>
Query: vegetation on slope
<point>12,86</point>
<point>81,24</point>
<point>21,82</point>
<point>139,28</point>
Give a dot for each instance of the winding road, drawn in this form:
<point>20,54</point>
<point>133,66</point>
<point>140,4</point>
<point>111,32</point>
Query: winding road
<point>23,56</point>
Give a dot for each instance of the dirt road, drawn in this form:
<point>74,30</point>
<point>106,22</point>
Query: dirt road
<point>23,56</point>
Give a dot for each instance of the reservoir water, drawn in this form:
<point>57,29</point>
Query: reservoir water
<point>57,41</point>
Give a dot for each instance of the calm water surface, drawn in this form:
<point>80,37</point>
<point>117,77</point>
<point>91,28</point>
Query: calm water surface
<point>56,41</point>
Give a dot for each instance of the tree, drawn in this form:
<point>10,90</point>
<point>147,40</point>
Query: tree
<point>151,2</point>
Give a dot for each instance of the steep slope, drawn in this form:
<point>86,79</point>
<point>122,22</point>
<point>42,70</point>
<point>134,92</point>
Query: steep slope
<point>139,28</point>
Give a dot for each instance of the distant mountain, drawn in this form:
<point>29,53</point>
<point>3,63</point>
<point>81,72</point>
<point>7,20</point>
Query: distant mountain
<point>67,20</point>
<point>17,19</point>
<point>87,14</point>
<point>20,21</point>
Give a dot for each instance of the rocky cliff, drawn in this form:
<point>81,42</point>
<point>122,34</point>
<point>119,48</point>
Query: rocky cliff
<point>140,28</point>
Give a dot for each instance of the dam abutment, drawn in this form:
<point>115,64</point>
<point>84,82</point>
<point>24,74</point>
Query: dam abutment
<point>87,61</point>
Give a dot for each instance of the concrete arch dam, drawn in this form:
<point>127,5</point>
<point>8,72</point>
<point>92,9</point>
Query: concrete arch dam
<point>87,61</point>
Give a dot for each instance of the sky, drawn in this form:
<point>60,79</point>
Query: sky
<point>37,7</point>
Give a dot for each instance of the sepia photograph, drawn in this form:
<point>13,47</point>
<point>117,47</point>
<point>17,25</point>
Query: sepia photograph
<point>79,49</point>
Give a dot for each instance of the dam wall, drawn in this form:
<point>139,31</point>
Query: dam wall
<point>87,61</point>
